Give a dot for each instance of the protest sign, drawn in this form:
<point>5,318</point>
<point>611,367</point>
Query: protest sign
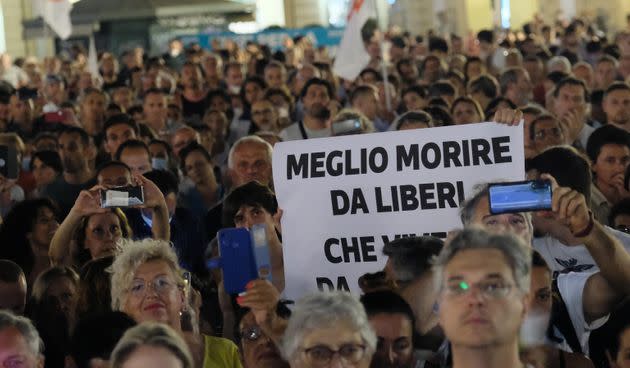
<point>344,197</point>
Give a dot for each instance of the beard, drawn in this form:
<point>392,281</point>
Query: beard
<point>318,111</point>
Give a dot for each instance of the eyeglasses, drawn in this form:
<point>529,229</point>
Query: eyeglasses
<point>321,355</point>
<point>161,285</point>
<point>252,333</point>
<point>488,289</point>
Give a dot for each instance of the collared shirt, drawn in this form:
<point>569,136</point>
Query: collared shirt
<point>599,205</point>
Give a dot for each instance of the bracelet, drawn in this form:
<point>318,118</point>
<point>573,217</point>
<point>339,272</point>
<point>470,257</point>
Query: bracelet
<point>588,229</point>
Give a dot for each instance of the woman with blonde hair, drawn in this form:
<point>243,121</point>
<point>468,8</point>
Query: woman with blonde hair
<point>148,285</point>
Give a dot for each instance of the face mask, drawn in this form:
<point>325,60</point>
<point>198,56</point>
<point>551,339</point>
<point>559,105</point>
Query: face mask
<point>283,112</point>
<point>235,90</point>
<point>159,163</point>
<point>534,328</point>
<point>26,163</point>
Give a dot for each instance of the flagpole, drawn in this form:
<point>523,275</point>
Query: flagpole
<point>388,97</point>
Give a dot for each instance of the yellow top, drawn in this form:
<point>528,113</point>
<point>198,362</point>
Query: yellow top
<point>220,353</point>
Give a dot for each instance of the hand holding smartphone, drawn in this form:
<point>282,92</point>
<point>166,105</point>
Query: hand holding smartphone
<point>126,196</point>
<point>522,196</point>
<point>244,257</point>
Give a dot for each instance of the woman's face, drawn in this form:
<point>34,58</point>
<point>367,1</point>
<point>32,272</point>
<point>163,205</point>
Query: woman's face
<point>622,360</point>
<point>152,356</point>
<point>43,173</point>
<point>198,169</point>
<point>154,295</point>
<point>102,232</point>
<point>317,344</point>
<point>465,113</point>
<point>44,228</point>
<point>65,291</point>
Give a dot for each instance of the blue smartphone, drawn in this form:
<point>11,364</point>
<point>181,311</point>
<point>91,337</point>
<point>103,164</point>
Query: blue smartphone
<point>522,196</point>
<point>237,259</point>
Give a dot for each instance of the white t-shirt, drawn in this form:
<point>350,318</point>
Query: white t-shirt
<point>575,258</point>
<point>293,133</point>
<point>571,287</point>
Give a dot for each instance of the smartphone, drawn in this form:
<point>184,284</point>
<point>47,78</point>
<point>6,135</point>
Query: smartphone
<point>522,196</point>
<point>260,247</point>
<point>9,167</point>
<point>237,259</point>
<point>352,126</point>
<point>126,196</point>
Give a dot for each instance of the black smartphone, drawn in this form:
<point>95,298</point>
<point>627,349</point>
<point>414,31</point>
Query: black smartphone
<point>522,196</point>
<point>9,167</point>
<point>126,196</point>
<point>352,126</point>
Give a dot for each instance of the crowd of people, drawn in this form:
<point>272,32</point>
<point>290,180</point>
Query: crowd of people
<point>85,284</point>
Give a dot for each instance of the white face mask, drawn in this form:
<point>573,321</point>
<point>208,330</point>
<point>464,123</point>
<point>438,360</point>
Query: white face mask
<point>534,328</point>
<point>235,90</point>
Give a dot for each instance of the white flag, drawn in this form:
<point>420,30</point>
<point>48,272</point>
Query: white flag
<point>351,56</point>
<point>92,61</point>
<point>56,14</point>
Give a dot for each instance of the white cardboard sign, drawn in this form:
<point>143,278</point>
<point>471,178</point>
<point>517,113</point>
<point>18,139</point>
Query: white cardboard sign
<point>344,197</point>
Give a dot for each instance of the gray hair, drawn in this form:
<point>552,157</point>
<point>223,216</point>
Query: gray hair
<point>321,310</point>
<point>26,329</point>
<point>351,114</point>
<point>516,252</point>
<point>151,334</point>
<point>133,253</point>
<point>250,139</point>
<point>561,62</point>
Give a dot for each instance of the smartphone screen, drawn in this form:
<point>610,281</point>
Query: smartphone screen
<point>520,196</point>
<point>126,196</point>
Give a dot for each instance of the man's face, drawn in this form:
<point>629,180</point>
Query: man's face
<point>20,110</point>
<point>547,133</point>
<point>257,349</point>
<point>605,73</point>
<point>368,105</point>
<point>234,76</point>
<point>513,223</point>
<point>154,107</point>
<point>274,77</point>
<point>251,162</point>
<point>611,164</point>
<point>13,296</point>
<point>93,107</point>
<point>114,176</point>
<point>73,154</point>
<point>408,72</point>
<point>117,135</point>
<point>617,108</point>
<point>191,76</point>
<point>570,98</point>
<point>523,88</point>
<point>472,317</point>
<point>137,159</point>
<point>584,73</point>
<point>248,216</point>
<point>395,345</point>
<point>264,115</point>
<point>316,101</point>
<point>15,351</point>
